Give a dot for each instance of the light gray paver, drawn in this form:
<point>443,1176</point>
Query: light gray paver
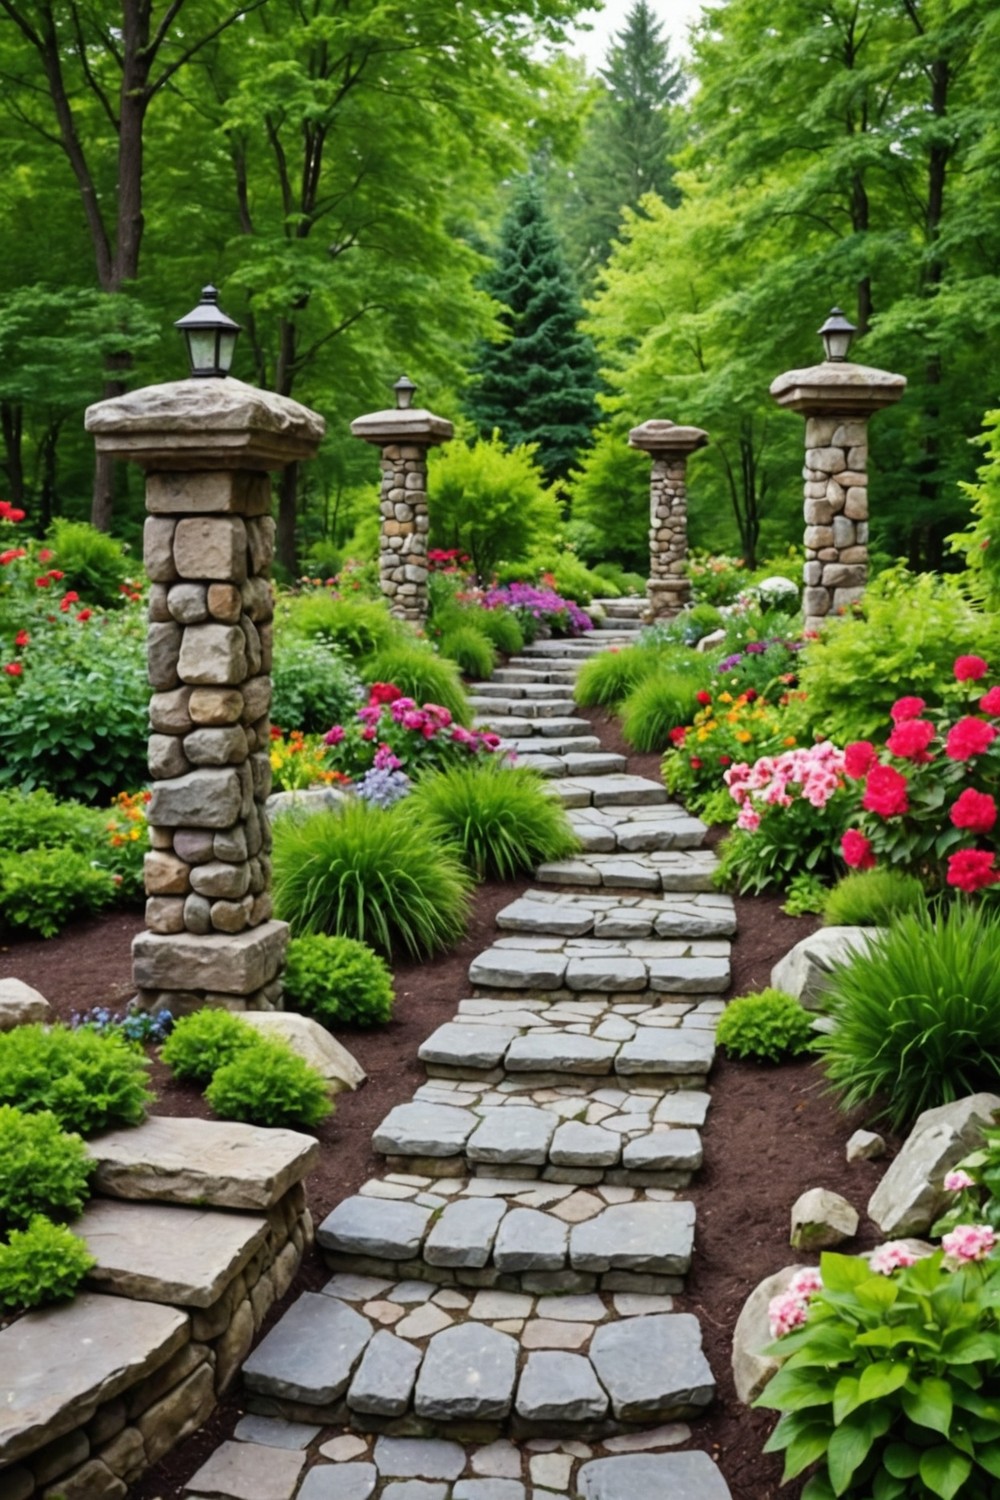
<point>639,1236</point>
<point>274,1433</point>
<point>665,1150</point>
<point>518,969</point>
<point>669,1052</point>
<point>558,1387</point>
<point>456,1045</point>
<point>375,1226</point>
<point>648,1476</point>
<point>339,1482</point>
<point>418,1458</point>
<point>512,1135</point>
<point>559,1051</point>
<point>384,1380</point>
<point>463,1235</point>
<point>488,1489</point>
<point>423,1130</point>
<point>577,1145</point>
<point>246,1471</point>
<point>652,1367</point>
<point>468,1373</point>
<point>310,1353</point>
<point>528,1240</point>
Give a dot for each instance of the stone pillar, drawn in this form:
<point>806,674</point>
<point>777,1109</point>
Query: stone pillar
<point>669,446</point>
<point>836,398</point>
<point>207,447</point>
<point>404,436</point>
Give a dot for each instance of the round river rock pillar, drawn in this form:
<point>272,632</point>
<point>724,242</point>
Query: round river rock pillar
<point>404,436</point>
<point>836,398</point>
<point>669,446</point>
<point>208,447</point>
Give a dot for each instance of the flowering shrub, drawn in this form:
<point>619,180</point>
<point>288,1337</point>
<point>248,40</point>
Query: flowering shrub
<point>926,802</point>
<point>392,733</point>
<point>135,1025</point>
<point>534,607</point>
<point>126,840</point>
<point>725,730</point>
<point>298,761</point>
<point>767,667</point>
<point>975,1185</point>
<point>791,809</point>
<point>715,580</point>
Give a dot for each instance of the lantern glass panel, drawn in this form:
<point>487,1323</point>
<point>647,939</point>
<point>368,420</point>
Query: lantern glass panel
<point>201,347</point>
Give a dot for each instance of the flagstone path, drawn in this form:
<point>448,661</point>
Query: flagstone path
<point>499,1321</point>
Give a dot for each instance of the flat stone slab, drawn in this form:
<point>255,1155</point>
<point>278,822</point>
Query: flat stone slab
<point>379,1227</point>
<point>664,1150</point>
<point>559,1051</point>
<point>249,1471</point>
<point>423,1130</point>
<point>593,762</point>
<point>607,975</point>
<point>528,1240</point>
<point>637,1236</point>
<point>383,1384</point>
<point>232,963</point>
<point>671,1052</point>
<point>464,1233</point>
<point>62,1362</point>
<point>689,976</point>
<point>518,969</point>
<point>525,915</point>
<point>652,1476</point>
<point>559,1387</point>
<point>418,1458</point>
<point>512,1135</point>
<point>206,1162</point>
<point>343,1481</point>
<point>468,1374</point>
<point>310,1353</point>
<point>157,1252</point>
<point>578,1145</point>
<point>652,1367</point>
<point>462,1046</point>
<point>627,791</point>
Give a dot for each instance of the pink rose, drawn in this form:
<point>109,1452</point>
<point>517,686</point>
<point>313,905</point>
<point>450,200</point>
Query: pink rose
<point>969,1242</point>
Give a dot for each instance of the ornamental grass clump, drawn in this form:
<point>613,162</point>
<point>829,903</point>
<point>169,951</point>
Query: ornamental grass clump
<point>421,675</point>
<point>609,677</point>
<point>768,1026</point>
<point>369,873</point>
<point>871,898</point>
<point>89,1081</point>
<point>661,703</point>
<point>470,649</point>
<point>338,980</point>
<point>916,1015</point>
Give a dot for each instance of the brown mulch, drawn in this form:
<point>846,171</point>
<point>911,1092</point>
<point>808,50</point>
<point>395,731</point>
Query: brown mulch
<point>772,1132</point>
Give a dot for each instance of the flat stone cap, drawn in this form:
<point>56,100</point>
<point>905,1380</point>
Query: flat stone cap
<point>660,435</point>
<point>414,425</point>
<point>837,387</point>
<point>205,424</point>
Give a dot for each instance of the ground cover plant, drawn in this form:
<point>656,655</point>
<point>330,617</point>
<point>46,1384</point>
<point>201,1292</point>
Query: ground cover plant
<point>89,1081</point>
<point>199,1044</point>
<point>338,980</point>
<point>768,1026</point>
<point>268,1084</point>
<point>45,1168</point>
<point>41,1264</point>
<point>871,898</point>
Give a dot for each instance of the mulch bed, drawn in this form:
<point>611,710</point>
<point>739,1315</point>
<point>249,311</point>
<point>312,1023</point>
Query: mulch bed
<point>772,1132</point>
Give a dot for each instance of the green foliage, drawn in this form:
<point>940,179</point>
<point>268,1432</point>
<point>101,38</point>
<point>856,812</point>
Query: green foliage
<point>871,898</point>
<point>769,1026</point>
<point>43,889</point>
<point>889,1384</point>
<point>501,819</point>
<point>94,564</point>
<point>609,502</point>
<point>469,648</point>
<point>44,1263</point>
<point>202,1042</point>
<point>314,686</point>
<point>570,577</point>
<point>45,1169</point>
<point>980,542</point>
<point>37,820</point>
<point>360,627</point>
<point>661,702</point>
<point>338,980</point>
<point>89,1081</point>
<point>611,675</point>
<point>501,627</point>
<point>917,1014</point>
<point>491,502</point>
<point>806,895</point>
<point>421,675</point>
<point>270,1085</point>
<point>371,874</point>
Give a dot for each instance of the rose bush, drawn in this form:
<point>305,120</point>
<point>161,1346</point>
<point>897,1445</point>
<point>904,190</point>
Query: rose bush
<point>393,734</point>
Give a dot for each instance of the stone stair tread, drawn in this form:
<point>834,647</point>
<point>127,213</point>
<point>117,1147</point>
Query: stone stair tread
<point>577,913</point>
<point>589,964</point>
<point>628,791</point>
<point>605,826</point>
<point>582,762</point>
<point>311,1352</point>
<point>682,870</point>
<point>520,707</point>
<point>538,744</point>
<point>652,1476</point>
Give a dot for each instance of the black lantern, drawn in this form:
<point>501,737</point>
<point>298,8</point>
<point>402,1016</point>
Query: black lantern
<point>837,333</point>
<point>404,389</point>
<point>210,336</point>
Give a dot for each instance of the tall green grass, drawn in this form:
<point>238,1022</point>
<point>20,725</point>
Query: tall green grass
<point>470,649</point>
<point>500,818</point>
<point>421,675</point>
<point>871,898</point>
<point>660,703</point>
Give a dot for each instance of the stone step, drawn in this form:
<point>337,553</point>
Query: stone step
<point>579,648</point>
<point>531,743</point>
<point>622,792</point>
<point>555,728</point>
<point>587,965</point>
<point>541,669</point>
<point>683,870</point>
<point>524,708</point>
<point>584,913</point>
<point>619,623</point>
<point>542,692</point>
<point>607,826</point>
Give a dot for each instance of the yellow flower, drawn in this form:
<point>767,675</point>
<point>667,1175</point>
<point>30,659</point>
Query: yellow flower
<point>725,697</point>
<point>744,736</point>
<point>789,739</point>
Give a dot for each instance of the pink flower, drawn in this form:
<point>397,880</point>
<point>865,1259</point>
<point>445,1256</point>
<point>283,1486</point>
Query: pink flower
<point>970,668</point>
<point>968,1242</point>
<point>857,850</point>
<point>462,736</point>
<point>989,703</point>
<point>957,1181</point>
<point>785,1312</point>
<point>907,708</point>
<point>749,818</point>
<point>969,737</point>
<point>974,810</point>
<point>806,1281</point>
<point>971,870</point>
<point>910,739</point>
<point>413,719</point>
<point>885,792</point>
<point>891,1257</point>
<point>385,760</point>
<point>334,736</point>
<point>859,758</point>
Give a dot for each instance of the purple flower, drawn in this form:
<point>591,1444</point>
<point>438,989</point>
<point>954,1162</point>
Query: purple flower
<point>383,787</point>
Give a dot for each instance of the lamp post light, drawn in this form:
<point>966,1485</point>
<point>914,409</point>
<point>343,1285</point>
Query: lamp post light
<point>837,333</point>
<point>210,336</point>
<point>405,390</point>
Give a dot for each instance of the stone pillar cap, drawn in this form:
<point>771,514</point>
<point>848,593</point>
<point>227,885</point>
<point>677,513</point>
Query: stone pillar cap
<point>839,388</point>
<point>414,425</point>
<point>205,424</point>
<point>660,435</point>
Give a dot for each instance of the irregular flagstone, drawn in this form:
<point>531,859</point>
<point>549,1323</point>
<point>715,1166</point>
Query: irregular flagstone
<point>642,1476</point>
<point>348,1481</point>
<point>464,1234</point>
<point>455,1045</point>
<point>489,1489</point>
<point>653,1367</point>
<point>161,1252</point>
<point>249,1471</point>
<point>311,1353</point>
<point>512,1135</point>
<point>527,915</point>
<point>559,1051</point>
<point>560,1387</point>
<point>607,974</point>
<point>518,968</point>
<point>376,1227</point>
<point>676,1150</point>
<point>668,1052</point>
<point>576,1145</point>
<point>423,1130</point>
<point>468,1373</point>
<point>383,1383</point>
<point>530,1241</point>
<point>418,1458</point>
<point>637,1236</point>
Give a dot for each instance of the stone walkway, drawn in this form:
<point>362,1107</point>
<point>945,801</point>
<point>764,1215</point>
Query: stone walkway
<point>499,1321</point>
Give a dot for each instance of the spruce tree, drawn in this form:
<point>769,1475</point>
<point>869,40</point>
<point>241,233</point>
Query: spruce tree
<point>538,386</point>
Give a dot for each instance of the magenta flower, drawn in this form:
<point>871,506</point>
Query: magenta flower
<point>957,1181</point>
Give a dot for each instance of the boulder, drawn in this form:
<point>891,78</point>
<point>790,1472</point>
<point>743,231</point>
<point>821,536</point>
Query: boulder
<point>752,1369</point>
<point>821,1219</point>
<point>805,969</point>
<point>911,1195</point>
<point>312,1042</point>
<point>20,1005</point>
<point>865,1145</point>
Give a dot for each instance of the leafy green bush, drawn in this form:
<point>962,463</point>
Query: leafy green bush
<point>421,675</point>
<point>45,1169</point>
<point>93,563</point>
<point>44,1263</point>
<point>490,502</point>
<point>917,1014</point>
<point>269,1085</point>
<point>469,648</point>
<point>501,819</point>
<point>371,874</point>
<point>871,898</point>
<point>338,980</point>
<point>660,703</point>
<point>37,820</point>
<point>314,685</point>
<point>502,628</point>
<point>204,1041</point>
<point>43,889</point>
<point>610,676</point>
<point>358,626</point>
<point>89,1081</point>
<point>769,1025</point>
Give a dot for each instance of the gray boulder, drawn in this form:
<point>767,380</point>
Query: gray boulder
<point>911,1195</point>
<point>20,1005</point>
<point>752,1369</point>
<point>821,1219</point>
<point>805,970</point>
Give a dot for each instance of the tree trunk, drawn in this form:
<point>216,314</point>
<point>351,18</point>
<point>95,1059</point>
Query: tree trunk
<point>49,453</point>
<point>12,426</point>
<point>288,488</point>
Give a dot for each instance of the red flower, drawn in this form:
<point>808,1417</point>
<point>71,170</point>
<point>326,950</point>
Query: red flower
<point>67,600</point>
<point>55,573</point>
<point>751,695</point>
<point>13,669</point>
<point>725,760</point>
<point>857,850</point>
<point>989,703</point>
<point>8,513</point>
<point>696,764</point>
<point>970,668</point>
<point>676,736</point>
<point>43,582</point>
<point>907,708</point>
<point>85,614</point>
<point>972,869</point>
<point>46,554</point>
<point>22,638</point>
<point>11,555</point>
<point>969,737</point>
<point>859,757</point>
<point>885,792</point>
<point>384,692</point>
<point>703,698</point>
<point>974,810</point>
<point>910,739</point>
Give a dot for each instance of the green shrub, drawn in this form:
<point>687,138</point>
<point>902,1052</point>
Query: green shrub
<point>502,628</point>
<point>37,820</point>
<point>661,703</point>
<point>269,1085</point>
<point>338,980</point>
<point>490,502</point>
<point>501,819</point>
<point>471,650</point>
<point>421,675</point>
<point>43,889</point>
<point>93,563</point>
<point>871,898</point>
<point>202,1042</point>
<point>610,676</point>
<point>44,1263</point>
<point>314,685</point>
<point>769,1025</point>
<point>917,1014</point>
<point>358,626</point>
<point>45,1169</point>
<point>369,873</point>
<point>89,1081</point>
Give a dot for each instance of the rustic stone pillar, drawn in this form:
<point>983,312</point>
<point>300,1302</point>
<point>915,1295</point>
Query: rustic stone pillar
<point>207,447</point>
<point>404,436</point>
<point>837,398</point>
<point>669,446</point>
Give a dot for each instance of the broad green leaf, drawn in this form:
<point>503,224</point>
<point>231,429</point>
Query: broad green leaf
<point>901,1460</point>
<point>848,1449</point>
<point>944,1471</point>
<point>805,1449</point>
<point>882,1379</point>
<point>930,1405</point>
<point>846,1397</point>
